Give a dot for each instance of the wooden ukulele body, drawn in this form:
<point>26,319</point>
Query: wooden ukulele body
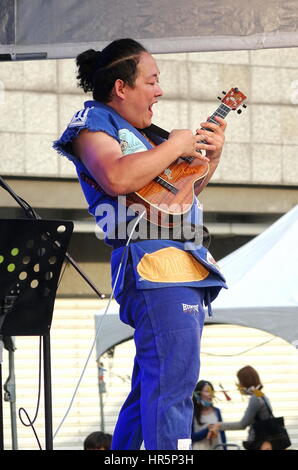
<point>162,206</point>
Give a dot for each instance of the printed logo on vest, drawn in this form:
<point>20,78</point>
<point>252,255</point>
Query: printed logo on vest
<point>79,119</point>
<point>124,146</point>
<point>190,308</point>
<point>129,142</point>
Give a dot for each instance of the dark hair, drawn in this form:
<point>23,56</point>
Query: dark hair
<point>198,406</point>
<point>98,71</point>
<point>96,440</point>
<point>248,377</point>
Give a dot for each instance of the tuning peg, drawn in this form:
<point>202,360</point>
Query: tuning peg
<point>239,111</point>
<point>244,105</point>
<point>224,92</point>
<point>219,98</point>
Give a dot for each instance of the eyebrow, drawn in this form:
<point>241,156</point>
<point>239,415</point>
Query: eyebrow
<point>156,75</point>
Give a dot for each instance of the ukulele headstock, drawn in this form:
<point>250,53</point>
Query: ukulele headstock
<point>233,99</point>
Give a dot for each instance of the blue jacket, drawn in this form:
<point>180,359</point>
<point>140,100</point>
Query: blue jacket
<point>110,213</point>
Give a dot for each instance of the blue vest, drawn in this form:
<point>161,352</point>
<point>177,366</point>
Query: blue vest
<point>157,262</point>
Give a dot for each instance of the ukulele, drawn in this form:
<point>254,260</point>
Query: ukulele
<point>170,195</point>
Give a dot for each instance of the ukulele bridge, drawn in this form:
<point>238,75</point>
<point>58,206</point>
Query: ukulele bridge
<point>165,184</point>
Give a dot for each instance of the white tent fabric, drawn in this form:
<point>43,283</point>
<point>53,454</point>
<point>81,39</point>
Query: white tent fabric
<point>52,29</point>
<point>263,287</point>
<point>263,282</point>
<point>264,272</point>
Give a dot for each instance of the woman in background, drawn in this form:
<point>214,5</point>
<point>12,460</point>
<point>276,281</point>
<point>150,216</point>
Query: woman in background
<point>205,414</point>
<point>258,408</point>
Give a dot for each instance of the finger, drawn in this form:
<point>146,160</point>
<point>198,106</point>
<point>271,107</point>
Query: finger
<point>216,140</point>
<point>205,146</point>
<point>204,133</point>
<point>211,127</point>
<point>197,154</point>
<point>210,138</point>
<point>222,124</point>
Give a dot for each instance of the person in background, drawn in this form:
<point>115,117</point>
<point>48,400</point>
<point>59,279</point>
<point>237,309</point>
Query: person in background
<point>257,409</point>
<point>266,445</point>
<point>98,441</point>
<point>205,413</point>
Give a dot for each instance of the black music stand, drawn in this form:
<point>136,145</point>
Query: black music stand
<point>31,257</point>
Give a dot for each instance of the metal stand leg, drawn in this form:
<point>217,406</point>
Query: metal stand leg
<point>47,391</point>
<point>1,403</point>
<point>10,389</point>
<point>12,400</point>
<point>102,390</point>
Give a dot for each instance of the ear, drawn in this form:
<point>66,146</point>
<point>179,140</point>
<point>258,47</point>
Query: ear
<point>119,88</point>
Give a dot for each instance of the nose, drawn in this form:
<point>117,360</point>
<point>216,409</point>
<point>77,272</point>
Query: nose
<point>158,90</point>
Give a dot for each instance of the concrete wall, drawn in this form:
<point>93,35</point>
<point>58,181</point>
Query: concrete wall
<point>37,99</point>
<point>261,143</point>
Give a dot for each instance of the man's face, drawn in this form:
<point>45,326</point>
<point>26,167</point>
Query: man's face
<point>140,99</point>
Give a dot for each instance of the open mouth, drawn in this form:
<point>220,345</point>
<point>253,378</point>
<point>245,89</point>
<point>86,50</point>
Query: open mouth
<point>151,106</point>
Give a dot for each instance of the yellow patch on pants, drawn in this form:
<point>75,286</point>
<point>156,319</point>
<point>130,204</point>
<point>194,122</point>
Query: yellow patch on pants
<point>171,265</point>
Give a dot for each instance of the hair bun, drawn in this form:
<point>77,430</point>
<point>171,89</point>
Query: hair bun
<point>87,63</point>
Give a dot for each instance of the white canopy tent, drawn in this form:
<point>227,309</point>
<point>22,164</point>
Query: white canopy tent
<point>53,29</point>
<point>268,265</point>
<point>263,281</point>
<point>262,277</point>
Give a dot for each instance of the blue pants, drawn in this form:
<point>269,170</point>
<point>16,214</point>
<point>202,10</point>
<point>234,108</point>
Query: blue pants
<point>168,325</point>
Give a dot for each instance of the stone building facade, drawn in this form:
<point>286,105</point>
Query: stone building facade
<point>257,179</point>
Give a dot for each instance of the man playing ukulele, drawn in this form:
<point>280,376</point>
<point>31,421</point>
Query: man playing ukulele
<point>163,283</point>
